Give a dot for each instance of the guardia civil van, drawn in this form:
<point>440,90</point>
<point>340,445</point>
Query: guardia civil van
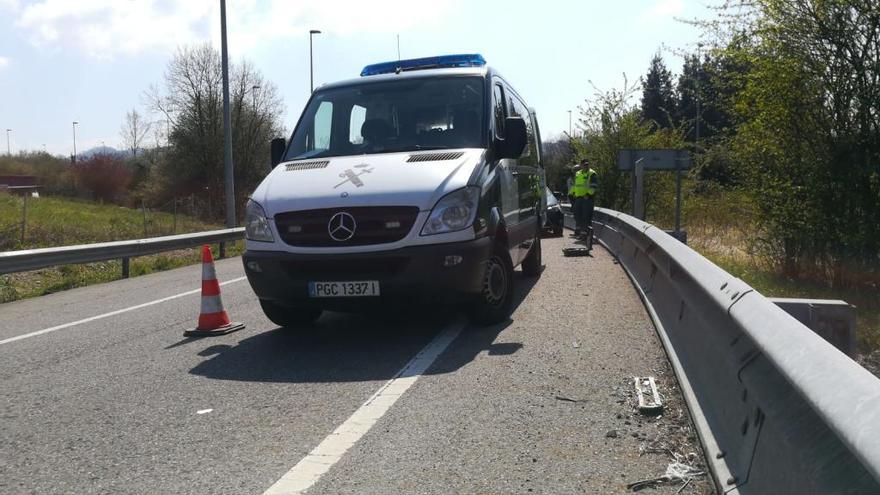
<point>421,179</point>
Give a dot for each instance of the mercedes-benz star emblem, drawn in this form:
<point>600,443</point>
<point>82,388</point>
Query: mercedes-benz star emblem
<point>341,226</point>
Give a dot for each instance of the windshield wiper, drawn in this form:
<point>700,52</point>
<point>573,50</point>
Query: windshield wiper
<point>422,147</point>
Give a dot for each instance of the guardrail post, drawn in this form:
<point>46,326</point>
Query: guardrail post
<point>222,250</point>
<point>126,267</point>
<point>833,320</point>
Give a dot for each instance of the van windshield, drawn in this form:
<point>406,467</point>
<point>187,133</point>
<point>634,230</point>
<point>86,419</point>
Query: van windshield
<point>406,115</point>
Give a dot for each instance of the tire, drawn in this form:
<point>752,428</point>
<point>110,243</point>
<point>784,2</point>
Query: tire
<point>495,302</point>
<point>289,317</point>
<point>531,266</point>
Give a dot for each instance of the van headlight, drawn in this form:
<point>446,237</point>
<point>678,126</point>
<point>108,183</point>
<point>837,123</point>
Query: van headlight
<point>256,225</point>
<point>455,211</point>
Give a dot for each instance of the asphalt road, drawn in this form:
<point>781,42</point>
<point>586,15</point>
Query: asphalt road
<point>100,393</point>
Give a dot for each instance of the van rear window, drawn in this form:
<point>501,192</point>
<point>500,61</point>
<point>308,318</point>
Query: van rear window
<point>406,115</point>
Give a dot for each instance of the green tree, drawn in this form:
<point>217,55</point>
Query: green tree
<point>707,87</point>
<point>658,96</point>
<point>809,130</point>
<point>191,102</point>
<point>558,157</point>
<point>611,122</point>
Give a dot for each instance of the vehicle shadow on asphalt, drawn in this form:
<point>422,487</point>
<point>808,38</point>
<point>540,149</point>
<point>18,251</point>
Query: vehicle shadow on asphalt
<point>352,347</point>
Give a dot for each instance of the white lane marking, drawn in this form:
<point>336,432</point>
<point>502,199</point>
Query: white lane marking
<point>112,313</point>
<point>308,470</point>
<point>203,411</point>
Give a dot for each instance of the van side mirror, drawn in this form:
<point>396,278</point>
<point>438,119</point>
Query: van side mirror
<point>277,147</point>
<point>515,138</point>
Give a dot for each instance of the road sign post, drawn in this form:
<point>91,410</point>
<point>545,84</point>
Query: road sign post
<point>24,217</point>
<point>678,198</point>
<point>656,159</point>
<point>639,203</point>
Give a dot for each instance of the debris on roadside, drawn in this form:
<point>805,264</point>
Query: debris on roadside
<point>568,399</point>
<point>667,432</point>
<point>676,471</point>
<point>648,396</point>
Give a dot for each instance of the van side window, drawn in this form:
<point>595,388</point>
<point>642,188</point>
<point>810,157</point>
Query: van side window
<point>537,137</point>
<point>358,116</point>
<point>498,108</point>
<point>519,109</point>
<point>320,135</point>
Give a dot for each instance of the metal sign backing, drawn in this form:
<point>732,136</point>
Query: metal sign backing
<point>658,159</point>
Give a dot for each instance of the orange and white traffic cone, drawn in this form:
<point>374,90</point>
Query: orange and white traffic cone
<point>213,319</point>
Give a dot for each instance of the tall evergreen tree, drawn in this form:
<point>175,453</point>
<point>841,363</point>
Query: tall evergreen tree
<point>658,97</point>
<point>689,84</point>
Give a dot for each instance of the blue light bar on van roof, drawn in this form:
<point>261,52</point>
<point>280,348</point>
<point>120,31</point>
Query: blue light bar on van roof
<point>442,61</point>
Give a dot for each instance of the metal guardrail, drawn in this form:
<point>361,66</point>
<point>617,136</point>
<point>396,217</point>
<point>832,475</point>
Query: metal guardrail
<point>34,259</point>
<point>778,409</point>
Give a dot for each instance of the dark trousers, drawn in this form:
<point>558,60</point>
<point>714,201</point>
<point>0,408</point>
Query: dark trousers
<point>583,212</point>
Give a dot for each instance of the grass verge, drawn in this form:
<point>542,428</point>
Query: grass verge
<point>56,221</point>
<point>721,225</point>
<point>35,283</point>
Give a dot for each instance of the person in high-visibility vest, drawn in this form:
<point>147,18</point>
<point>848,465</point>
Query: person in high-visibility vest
<point>583,191</point>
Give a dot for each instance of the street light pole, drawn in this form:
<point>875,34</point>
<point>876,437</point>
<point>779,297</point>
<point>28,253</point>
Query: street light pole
<point>569,124</point>
<point>227,123</point>
<point>74,141</point>
<point>697,95</point>
<point>8,149</point>
<point>312,32</point>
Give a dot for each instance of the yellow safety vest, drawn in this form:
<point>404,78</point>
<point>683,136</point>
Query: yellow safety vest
<point>581,186</point>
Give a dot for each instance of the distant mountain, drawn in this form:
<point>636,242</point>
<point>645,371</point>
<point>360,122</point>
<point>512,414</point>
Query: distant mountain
<point>103,150</point>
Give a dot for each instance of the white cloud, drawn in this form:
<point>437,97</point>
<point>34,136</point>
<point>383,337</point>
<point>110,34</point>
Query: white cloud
<point>106,28</point>
<point>661,10</point>
<point>4,62</point>
<point>9,5</point>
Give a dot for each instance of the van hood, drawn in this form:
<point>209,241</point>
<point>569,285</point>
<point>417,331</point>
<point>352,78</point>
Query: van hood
<point>390,179</point>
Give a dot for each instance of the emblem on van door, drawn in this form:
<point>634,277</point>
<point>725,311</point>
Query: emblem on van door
<point>341,226</point>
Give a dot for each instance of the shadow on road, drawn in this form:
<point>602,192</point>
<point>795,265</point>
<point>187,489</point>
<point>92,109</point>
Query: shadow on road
<point>352,347</point>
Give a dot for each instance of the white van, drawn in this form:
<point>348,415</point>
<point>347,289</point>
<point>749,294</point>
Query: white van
<point>420,180</point>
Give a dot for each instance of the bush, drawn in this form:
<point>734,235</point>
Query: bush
<point>106,177</point>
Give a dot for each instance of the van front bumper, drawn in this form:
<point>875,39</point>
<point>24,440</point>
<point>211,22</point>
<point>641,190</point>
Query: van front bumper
<point>451,272</point>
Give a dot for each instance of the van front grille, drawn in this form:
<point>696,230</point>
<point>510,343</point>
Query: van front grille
<point>372,225</point>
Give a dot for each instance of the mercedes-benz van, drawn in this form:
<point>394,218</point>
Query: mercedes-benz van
<point>421,179</point>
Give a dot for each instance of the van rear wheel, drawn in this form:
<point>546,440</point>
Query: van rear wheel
<point>495,302</point>
<point>289,316</point>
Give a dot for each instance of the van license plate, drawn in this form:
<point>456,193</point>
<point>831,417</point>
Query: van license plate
<point>344,289</point>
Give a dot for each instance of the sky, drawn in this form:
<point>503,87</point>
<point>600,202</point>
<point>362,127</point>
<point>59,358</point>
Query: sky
<point>91,61</point>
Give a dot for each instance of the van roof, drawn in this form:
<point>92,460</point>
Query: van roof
<point>411,74</point>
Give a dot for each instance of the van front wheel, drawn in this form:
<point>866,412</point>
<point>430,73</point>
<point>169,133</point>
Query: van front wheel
<point>495,302</point>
